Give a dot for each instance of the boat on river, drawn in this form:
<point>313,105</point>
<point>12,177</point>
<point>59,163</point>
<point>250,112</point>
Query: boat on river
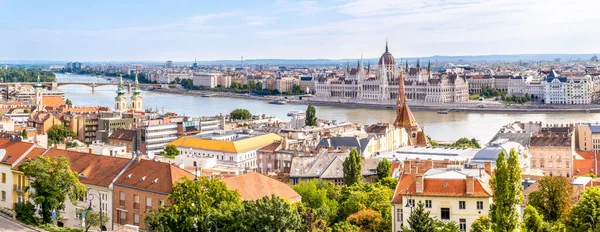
<point>277,102</point>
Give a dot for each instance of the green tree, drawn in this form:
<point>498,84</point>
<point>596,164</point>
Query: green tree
<point>68,102</point>
<point>53,182</point>
<point>24,133</point>
<point>269,213</point>
<point>345,226</point>
<point>366,196</point>
<point>321,196</point>
<point>171,151</point>
<point>191,202</point>
<point>586,213</point>
<point>389,182</point>
<point>297,90</point>
<point>465,142</point>
<point>419,219</point>
<point>240,114</point>
<point>444,226</point>
<point>384,169</point>
<point>311,116</point>
<point>475,143</point>
<point>92,219</point>
<point>552,199</point>
<point>482,224</point>
<point>58,133</point>
<point>25,212</point>
<point>508,193</point>
<point>533,221</point>
<point>352,168</point>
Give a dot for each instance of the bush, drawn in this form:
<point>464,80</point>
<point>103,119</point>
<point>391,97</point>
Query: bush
<point>53,228</point>
<point>25,212</point>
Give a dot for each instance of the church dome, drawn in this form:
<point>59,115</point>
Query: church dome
<point>387,57</point>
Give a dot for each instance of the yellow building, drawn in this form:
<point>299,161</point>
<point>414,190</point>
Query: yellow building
<point>13,184</point>
<point>587,137</point>
<point>42,121</point>
<point>453,193</point>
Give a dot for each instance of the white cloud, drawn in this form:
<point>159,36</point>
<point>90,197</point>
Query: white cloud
<point>301,7</point>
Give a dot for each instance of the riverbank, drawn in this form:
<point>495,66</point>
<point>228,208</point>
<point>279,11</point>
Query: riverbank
<point>470,107</point>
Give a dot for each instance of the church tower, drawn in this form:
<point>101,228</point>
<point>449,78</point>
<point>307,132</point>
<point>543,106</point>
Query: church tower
<point>136,98</point>
<point>39,103</point>
<point>406,119</point>
<point>120,100</point>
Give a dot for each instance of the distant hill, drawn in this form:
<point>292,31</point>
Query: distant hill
<point>314,62</point>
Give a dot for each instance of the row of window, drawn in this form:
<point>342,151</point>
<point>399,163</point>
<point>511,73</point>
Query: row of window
<point>445,215</point>
<point>461,204</point>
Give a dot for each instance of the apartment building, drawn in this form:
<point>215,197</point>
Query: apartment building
<point>12,182</point>
<point>453,193</point>
<point>154,137</point>
<point>587,137</point>
<point>142,187</point>
<point>552,151</point>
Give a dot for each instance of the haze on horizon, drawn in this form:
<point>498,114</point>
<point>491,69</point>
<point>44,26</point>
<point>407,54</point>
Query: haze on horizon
<point>283,29</point>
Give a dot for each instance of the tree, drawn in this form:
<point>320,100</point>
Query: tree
<point>345,226</point>
<point>586,213</point>
<point>366,219</point>
<point>171,151</point>
<point>508,193</point>
<point>24,133</point>
<point>311,116</point>
<point>552,199</point>
<point>444,226</point>
<point>269,213</point>
<point>419,220</point>
<point>53,182</point>
<point>465,142</point>
<point>68,102</point>
<point>482,224</point>
<point>321,196</point>
<point>191,202</point>
<point>361,196</point>
<point>384,169</point>
<point>25,212</point>
<point>533,221</point>
<point>240,114</point>
<point>389,182</point>
<point>475,143</point>
<point>58,133</point>
<point>352,168</point>
<point>92,219</point>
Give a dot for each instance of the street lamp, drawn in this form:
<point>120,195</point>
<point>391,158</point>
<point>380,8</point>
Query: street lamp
<point>592,219</point>
<point>100,200</point>
<point>409,203</point>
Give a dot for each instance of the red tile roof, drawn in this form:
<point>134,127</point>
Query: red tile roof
<point>52,101</point>
<point>92,169</point>
<point>123,134</point>
<point>152,176</point>
<point>440,187</point>
<point>253,186</point>
<point>14,151</point>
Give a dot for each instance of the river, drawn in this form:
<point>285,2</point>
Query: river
<point>444,127</point>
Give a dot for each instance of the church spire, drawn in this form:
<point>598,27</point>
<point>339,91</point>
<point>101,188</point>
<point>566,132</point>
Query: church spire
<point>38,84</point>
<point>120,89</point>
<point>136,87</point>
<point>418,64</point>
<point>406,69</point>
<point>386,45</point>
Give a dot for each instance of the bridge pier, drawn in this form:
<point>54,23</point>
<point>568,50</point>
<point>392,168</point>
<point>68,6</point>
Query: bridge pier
<point>129,88</point>
<point>93,87</point>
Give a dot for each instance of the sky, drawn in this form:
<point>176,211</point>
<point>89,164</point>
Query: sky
<point>148,30</point>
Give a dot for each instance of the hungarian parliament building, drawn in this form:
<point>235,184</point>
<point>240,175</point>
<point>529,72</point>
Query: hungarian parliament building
<point>364,85</point>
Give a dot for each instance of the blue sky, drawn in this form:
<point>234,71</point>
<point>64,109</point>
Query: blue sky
<point>258,29</point>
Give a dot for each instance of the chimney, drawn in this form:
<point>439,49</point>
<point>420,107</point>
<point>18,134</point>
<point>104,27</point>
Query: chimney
<point>407,167</point>
<point>330,148</point>
<point>487,165</point>
<point>470,184</point>
<point>91,151</point>
<point>419,183</point>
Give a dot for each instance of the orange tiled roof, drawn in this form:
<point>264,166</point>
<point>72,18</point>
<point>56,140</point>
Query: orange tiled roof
<point>31,155</point>
<point>53,101</point>
<point>152,176</point>
<point>92,169</point>
<point>585,165</point>
<point>253,186</point>
<point>440,187</point>
<point>14,151</point>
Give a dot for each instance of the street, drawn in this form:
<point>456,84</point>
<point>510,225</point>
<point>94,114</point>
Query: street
<point>10,226</point>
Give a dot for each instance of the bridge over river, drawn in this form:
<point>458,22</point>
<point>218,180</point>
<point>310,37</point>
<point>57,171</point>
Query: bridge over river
<point>92,84</point>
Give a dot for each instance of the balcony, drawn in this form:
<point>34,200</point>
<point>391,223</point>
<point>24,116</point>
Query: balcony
<point>18,189</point>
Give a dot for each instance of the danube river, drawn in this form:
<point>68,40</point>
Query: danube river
<point>444,127</point>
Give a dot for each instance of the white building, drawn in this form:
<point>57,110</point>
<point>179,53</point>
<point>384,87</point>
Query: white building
<point>454,193</point>
<point>211,80</point>
<point>381,86</point>
<point>231,149</point>
<point>571,90</point>
<point>156,137</point>
<point>286,84</point>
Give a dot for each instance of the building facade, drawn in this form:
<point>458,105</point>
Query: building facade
<point>362,84</point>
<point>552,151</point>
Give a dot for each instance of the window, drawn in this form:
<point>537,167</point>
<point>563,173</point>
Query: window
<point>3,195</point>
<point>122,217</point>
<point>136,219</point>
<point>399,215</point>
<point>480,205</point>
<point>161,203</point>
<point>3,177</point>
<point>550,164</point>
<point>542,164</point>
<point>122,198</point>
<point>462,205</point>
<point>463,225</point>
<point>411,202</point>
<point>445,213</point>
<point>427,203</point>
<point>136,202</point>
<point>148,203</point>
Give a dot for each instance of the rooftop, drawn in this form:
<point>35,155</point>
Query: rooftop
<point>253,186</point>
<point>240,145</point>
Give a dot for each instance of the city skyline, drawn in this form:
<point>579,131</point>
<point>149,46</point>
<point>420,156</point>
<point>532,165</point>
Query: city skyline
<point>182,31</point>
